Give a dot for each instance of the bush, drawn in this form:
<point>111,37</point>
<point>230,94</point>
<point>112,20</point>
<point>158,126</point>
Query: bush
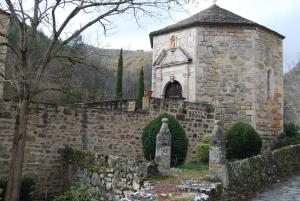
<point>179,143</point>
<point>291,129</point>
<point>287,141</point>
<point>242,141</point>
<point>27,188</point>
<point>83,192</point>
<point>206,139</point>
<point>202,150</point>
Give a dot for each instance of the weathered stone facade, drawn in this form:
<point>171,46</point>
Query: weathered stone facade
<point>174,63</point>
<point>4,22</point>
<point>229,62</point>
<point>105,128</point>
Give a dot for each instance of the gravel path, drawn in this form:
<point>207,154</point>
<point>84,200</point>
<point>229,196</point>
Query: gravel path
<point>288,190</point>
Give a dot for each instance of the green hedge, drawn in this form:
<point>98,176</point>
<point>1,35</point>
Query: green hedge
<point>242,141</point>
<point>179,140</point>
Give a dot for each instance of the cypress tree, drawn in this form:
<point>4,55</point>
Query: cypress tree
<point>119,76</point>
<point>140,89</point>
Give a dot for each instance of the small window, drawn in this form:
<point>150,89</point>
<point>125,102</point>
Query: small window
<point>269,84</point>
<point>173,42</point>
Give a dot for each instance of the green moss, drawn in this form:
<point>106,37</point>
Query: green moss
<point>82,158</point>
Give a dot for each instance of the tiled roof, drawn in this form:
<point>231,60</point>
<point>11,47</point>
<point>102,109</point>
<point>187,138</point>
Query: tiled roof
<point>212,16</point>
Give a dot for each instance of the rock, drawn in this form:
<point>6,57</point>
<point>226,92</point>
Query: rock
<point>201,197</point>
<point>95,179</point>
<point>108,186</point>
<point>150,170</point>
<point>135,185</point>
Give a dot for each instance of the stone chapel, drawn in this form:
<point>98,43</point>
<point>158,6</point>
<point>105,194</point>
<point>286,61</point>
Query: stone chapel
<point>223,59</point>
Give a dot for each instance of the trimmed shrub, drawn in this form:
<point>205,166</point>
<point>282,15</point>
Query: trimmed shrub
<point>83,192</point>
<point>203,152</point>
<point>206,139</point>
<point>242,141</point>
<point>27,188</point>
<point>291,129</point>
<point>202,149</point>
<point>179,143</point>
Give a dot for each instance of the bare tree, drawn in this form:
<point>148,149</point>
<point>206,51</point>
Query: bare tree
<point>34,16</point>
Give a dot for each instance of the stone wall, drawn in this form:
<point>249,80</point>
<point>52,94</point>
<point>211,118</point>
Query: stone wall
<point>232,74</point>
<point>4,22</point>
<point>105,128</point>
<point>252,174</point>
<point>117,178</point>
<point>268,107</point>
<point>225,73</point>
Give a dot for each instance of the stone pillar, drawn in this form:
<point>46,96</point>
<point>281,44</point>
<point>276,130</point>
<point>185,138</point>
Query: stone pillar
<point>163,148</point>
<point>218,169</point>
<point>4,22</point>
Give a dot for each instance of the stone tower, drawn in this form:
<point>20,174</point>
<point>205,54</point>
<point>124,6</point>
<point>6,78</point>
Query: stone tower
<point>4,22</point>
<point>223,59</point>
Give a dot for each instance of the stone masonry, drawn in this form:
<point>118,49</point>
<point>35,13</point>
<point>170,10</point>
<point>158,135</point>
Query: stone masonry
<point>106,129</point>
<point>163,148</point>
<point>4,22</point>
<point>116,178</point>
<point>225,60</point>
<point>217,155</point>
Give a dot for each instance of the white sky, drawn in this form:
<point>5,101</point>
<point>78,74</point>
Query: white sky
<point>282,16</point>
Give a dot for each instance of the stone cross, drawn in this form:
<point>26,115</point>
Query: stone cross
<point>217,155</point>
<point>163,148</point>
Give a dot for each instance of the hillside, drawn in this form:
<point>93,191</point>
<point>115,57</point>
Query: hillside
<point>92,81</point>
<point>292,95</point>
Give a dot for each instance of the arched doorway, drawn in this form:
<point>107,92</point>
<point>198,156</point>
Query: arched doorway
<point>173,90</point>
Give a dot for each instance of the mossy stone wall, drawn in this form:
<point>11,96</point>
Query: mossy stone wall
<point>252,174</point>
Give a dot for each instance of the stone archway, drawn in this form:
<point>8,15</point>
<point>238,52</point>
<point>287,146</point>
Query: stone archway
<point>173,90</point>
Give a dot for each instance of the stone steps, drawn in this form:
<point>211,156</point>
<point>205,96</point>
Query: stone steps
<point>192,190</point>
<point>204,190</point>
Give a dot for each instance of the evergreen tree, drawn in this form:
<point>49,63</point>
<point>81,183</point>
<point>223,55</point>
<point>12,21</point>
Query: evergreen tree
<point>140,90</point>
<point>119,76</point>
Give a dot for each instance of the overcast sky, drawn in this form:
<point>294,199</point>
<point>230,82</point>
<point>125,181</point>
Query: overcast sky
<point>282,16</point>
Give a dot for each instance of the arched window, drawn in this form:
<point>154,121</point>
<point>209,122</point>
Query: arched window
<point>173,90</point>
<point>173,42</point>
<point>269,83</point>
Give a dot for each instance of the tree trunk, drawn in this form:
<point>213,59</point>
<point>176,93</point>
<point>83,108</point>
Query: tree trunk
<point>18,149</point>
